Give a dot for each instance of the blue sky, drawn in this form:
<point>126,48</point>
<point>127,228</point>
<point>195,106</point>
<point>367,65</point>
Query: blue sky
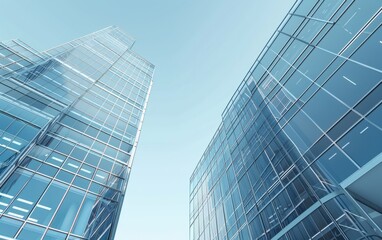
<point>202,49</point>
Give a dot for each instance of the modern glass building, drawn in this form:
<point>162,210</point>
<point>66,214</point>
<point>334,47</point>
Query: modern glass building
<point>298,152</point>
<point>70,120</point>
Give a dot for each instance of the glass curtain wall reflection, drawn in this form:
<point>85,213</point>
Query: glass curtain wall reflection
<point>70,119</point>
<point>298,152</point>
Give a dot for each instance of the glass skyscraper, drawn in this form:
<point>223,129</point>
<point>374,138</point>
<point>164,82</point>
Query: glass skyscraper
<point>70,120</point>
<point>298,152</point>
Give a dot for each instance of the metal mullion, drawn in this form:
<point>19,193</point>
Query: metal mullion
<point>76,130</point>
<point>92,81</point>
<point>101,107</point>
<point>9,64</point>
<point>29,88</point>
<point>28,49</point>
<point>21,189</point>
<point>325,133</point>
<point>67,109</point>
<point>312,18</point>
<point>113,41</point>
<point>136,65</point>
<point>70,185</point>
<point>274,137</point>
<point>81,204</point>
<point>360,31</point>
<point>114,130</point>
<point>99,125</point>
<point>75,42</point>
<point>130,163</point>
<point>119,97</point>
<point>209,167</point>
<point>95,39</point>
<point>52,179</point>
<point>321,87</point>
<point>101,225</point>
<point>340,56</point>
<point>123,76</point>
<point>287,46</point>
<point>17,53</point>
<point>98,54</point>
<point>102,234</point>
<point>34,172</point>
<point>47,89</point>
<point>98,200</point>
<point>23,120</point>
<point>277,83</point>
<point>25,151</point>
<point>74,82</point>
<point>267,71</point>
<point>54,121</point>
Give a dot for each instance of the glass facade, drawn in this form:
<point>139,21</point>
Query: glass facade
<point>70,119</point>
<point>298,152</point>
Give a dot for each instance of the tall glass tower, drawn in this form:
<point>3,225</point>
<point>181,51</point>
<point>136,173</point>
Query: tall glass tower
<point>70,120</point>
<point>298,152</point>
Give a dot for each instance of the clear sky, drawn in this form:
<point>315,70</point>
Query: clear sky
<point>202,49</point>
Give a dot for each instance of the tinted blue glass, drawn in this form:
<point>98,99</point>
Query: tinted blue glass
<point>362,143</point>
<point>9,227</point>
<point>5,121</point>
<point>297,84</point>
<point>315,63</point>
<point>305,7</point>
<point>294,23</point>
<point>28,195</point>
<point>47,170</point>
<point>63,219</point>
<point>324,117</point>
<point>351,82</point>
<point>65,176</point>
<point>337,164</point>
<point>376,116</point>
<point>81,182</point>
<point>30,232</point>
<point>326,9</point>
<point>302,131</point>
<point>282,174</point>
<point>31,163</point>
<point>28,132</point>
<point>53,235</point>
<point>349,24</point>
<point>44,210</point>
<point>84,216</point>
<point>15,127</point>
<point>372,45</point>
<point>12,187</point>
<point>310,30</point>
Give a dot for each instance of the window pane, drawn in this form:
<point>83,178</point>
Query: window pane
<point>12,187</point>
<point>362,143</point>
<point>372,45</point>
<point>53,235</point>
<point>349,24</point>
<point>301,131</point>
<point>9,227</point>
<point>44,210</point>
<point>336,164</point>
<point>68,209</point>
<point>30,232</point>
<point>84,216</point>
<point>27,198</point>
<point>324,117</point>
<point>351,82</point>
